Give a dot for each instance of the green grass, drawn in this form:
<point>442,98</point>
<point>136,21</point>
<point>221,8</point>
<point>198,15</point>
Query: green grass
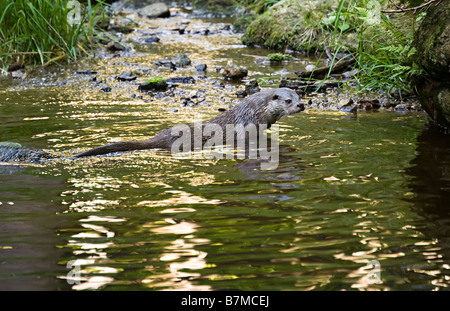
<point>384,52</point>
<point>38,31</point>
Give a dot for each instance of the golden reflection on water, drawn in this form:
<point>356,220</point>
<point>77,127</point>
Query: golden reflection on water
<point>88,275</point>
<point>180,197</point>
<point>180,256</point>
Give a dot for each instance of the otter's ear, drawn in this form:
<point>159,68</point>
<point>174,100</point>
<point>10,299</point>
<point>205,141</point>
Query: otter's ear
<point>275,97</point>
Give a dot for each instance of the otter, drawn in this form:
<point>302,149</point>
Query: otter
<point>263,108</point>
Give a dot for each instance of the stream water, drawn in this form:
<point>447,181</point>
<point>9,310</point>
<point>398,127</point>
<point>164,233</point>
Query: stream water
<point>352,197</point>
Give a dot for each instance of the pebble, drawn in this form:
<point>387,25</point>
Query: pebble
<point>201,67</point>
<point>127,76</point>
<point>234,72</point>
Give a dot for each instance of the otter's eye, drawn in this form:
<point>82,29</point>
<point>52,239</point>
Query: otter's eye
<point>288,101</point>
<point>275,97</point>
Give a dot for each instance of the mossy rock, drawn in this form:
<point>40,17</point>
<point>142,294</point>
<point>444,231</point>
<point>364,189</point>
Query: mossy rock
<point>15,152</point>
<point>432,43</point>
<point>289,25</point>
<point>278,57</point>
<point>267,30</point>
<point>241,23</point>
<point>154,84</point>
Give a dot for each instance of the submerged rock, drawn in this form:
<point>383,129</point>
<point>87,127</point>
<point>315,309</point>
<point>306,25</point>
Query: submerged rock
<point>181,80</point>
<point>15,152</point>
<point>432,41</point>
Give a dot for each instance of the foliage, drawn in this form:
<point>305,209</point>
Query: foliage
<point>381,44</point>
<point>39,32</point>
<point>384,52</point>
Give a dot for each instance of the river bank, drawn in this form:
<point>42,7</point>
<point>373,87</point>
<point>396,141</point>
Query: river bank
<point>127,59</point>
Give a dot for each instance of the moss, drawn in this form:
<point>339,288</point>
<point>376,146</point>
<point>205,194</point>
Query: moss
<point>155,80</point>
<point>431,42</point>
<point>289,24</point>
<point>241,23</point>
<point>268,31</point>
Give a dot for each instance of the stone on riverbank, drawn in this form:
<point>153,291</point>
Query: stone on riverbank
<point>234,72</point>
<point>178,60</point>
<point>155,10</point>
<point>115,46</point>
<point>127,76</point>
<point>252,86</point>
<point>201,67</point>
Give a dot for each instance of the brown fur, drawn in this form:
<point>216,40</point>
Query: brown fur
<point>265,107</point>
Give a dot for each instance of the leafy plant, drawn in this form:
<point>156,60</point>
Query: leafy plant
<point>384,52</point>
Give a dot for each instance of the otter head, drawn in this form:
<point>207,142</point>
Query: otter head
<point>266,107</point>
<point>283,102</point>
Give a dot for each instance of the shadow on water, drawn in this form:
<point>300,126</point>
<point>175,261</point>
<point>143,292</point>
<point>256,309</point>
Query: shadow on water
<point>28,221</point>
<point>430,181</point>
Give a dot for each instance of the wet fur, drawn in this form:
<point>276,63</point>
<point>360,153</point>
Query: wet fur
<point>265,107</point>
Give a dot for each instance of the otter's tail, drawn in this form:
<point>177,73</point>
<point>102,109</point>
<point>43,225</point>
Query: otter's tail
<point>118,147</point>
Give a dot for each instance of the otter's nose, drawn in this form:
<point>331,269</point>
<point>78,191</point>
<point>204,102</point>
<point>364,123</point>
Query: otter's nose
<point>301,106</point>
